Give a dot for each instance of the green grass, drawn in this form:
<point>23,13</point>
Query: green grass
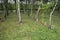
<point>29,29</point>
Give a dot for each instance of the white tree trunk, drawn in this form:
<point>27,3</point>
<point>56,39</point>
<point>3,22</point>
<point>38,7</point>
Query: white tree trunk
<point>36,16</point>
<point>18,11</point>
<point>50,20</point>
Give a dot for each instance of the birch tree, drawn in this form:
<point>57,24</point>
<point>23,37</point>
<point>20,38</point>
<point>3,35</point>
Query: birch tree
<point>18,11</point>
<point>50,20</point>
<point>37,14</point>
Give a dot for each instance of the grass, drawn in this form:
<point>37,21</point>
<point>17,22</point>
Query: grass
<point>29,29</point>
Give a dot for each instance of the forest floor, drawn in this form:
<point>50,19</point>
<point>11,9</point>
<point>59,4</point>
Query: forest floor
<point>29,29</point>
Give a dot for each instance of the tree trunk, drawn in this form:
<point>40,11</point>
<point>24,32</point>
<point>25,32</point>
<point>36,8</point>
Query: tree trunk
<point>5,3</point>
<point>31,7</point>
<point>50,20</point>
<point>37,14</point>
<point>18,11</point>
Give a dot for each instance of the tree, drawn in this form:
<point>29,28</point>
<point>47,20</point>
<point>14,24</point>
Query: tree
<point>5,3</point>
<point>18,11</point>
<point>52,13</point>
<point>31,6</point>
<point>37,14</point>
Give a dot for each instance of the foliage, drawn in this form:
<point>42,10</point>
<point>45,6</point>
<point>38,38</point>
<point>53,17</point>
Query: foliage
<point>10,6</point>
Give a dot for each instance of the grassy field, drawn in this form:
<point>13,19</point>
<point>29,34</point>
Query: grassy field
<point>29,29</point>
